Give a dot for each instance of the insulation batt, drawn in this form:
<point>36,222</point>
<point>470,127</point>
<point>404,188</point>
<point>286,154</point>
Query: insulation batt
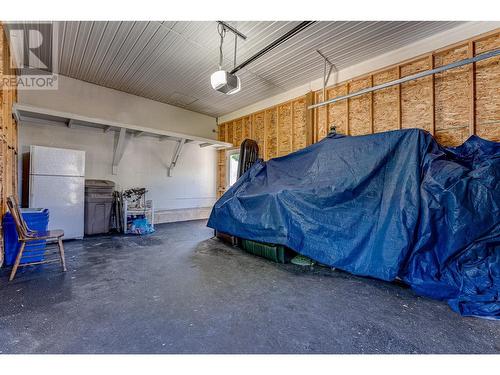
<point>387,205</point>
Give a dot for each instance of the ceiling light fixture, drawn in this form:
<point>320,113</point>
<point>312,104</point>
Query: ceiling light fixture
<point>222,80</point>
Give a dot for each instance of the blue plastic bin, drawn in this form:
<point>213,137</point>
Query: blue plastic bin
<point>36,219</point>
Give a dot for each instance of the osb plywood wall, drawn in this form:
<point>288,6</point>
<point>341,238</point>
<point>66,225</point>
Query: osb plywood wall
<point>278,131</point>
<point>451,105</point>
<point>8,133</point>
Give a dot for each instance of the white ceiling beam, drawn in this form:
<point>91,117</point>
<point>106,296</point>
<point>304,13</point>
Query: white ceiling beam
<point>139,134</point>
<point>16,116</point>
<point>39,115</point>
<point>166,137</point>
<point>37,120</point>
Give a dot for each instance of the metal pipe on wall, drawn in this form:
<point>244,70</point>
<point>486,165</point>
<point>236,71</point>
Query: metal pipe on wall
<point>412,77</point>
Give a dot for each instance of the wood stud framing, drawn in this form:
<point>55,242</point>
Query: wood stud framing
<point>433,96</point>
<point>432,103</point>
<point>472,91</point>
<point>487,89</point>
<point>8,134</point>
<point>420,103</point>
<point>278,131</point>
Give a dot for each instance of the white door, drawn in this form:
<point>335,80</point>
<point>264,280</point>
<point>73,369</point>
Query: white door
<point>64,197</point>
<point>57,161</point>
<point>233,158</point>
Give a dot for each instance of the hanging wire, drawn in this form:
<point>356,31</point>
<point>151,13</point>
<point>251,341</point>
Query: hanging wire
<point>235,48</point>
<point>222,32</point>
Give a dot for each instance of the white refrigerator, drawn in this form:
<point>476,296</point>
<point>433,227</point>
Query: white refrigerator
<point>57,182</point>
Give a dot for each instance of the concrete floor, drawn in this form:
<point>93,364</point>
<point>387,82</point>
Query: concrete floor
<point>178,291</point>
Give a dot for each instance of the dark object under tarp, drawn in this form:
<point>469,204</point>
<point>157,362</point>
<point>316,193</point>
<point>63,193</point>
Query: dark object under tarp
<point>276,253</point>
<point>387,205</point>
<point>249,152</point>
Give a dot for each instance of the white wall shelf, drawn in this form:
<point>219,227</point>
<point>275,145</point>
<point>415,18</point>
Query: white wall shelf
<point>37,115</point>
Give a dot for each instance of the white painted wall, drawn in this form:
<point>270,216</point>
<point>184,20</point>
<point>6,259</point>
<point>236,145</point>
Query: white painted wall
<point>91,100</point>
<point>437,41</point>
<point>145,159</point>
<point>143,164</point>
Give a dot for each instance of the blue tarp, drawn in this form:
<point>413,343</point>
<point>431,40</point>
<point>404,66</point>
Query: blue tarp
<point>387,205</point>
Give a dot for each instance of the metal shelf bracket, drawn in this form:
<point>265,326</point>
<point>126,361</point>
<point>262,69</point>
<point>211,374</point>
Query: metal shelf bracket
<point>120,145</point>
<point>175,157</point>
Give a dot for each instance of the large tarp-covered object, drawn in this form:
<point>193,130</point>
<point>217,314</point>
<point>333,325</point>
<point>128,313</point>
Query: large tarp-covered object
<point>387,205</point>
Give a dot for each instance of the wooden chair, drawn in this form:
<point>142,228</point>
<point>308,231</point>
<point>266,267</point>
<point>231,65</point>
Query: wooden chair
<point>27,235</point>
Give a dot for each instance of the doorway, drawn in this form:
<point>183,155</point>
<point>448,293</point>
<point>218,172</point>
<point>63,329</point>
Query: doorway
<point>233,158</point>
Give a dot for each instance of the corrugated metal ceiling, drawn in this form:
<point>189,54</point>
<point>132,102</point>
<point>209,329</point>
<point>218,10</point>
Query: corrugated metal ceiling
<point>171,62</point>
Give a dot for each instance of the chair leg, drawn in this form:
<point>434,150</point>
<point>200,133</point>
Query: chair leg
<point>18,260</point>
<point>61,253</point>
